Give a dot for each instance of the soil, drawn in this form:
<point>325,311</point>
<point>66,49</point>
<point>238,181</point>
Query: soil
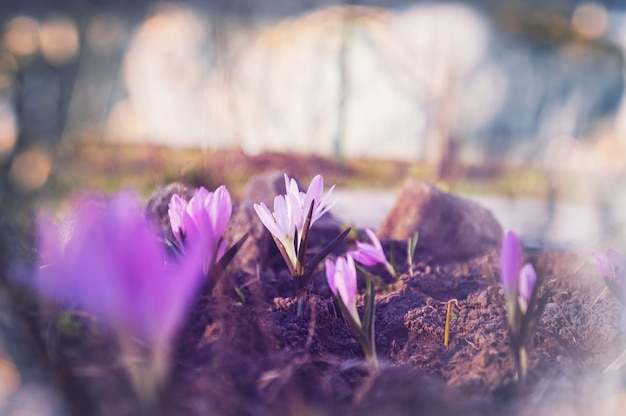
<point>249,354</point>
<point>257,357</point>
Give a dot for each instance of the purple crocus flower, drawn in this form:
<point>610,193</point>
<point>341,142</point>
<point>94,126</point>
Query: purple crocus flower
<point>341,277</point>
<point>202,220</point>
<point>518,281</point>
<point>113,266</point>
<point>371,254</point>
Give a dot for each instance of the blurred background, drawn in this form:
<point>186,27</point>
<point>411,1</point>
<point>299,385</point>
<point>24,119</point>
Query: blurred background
<point>517,104</point>
<point>464,90</point>
<point>504,99</point>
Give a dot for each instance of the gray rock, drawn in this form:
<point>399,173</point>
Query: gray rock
<point>449,227</point>
<point>256,248</point>
<point>158,205</point>
<point>264,187</point>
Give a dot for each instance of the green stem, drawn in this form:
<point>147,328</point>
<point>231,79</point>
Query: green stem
<point>370,355</point>
<point>522,364</point>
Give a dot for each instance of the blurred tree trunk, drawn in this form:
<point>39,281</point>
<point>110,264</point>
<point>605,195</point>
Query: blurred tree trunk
<point>344,81</point>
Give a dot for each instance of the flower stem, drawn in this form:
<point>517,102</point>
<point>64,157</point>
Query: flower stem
<point>370,355</point>
<point>522,363</point>
<point>301,301</point>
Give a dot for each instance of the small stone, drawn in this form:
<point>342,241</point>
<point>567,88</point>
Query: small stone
<point>449,227</point>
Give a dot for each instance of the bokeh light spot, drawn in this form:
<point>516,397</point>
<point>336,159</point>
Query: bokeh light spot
<point>21,36</point>
<point>58,38</point>
<point>590,20</point>
<point>9,379</point>
<point>8,129</point>
<point>30,169</point>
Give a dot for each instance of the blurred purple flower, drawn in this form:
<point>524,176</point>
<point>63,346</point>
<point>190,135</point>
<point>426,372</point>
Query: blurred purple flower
<point>202,220</point>
<point>114,267</point>
<point>518,281</point>
<point>341,277</point>
<point>614,267</point>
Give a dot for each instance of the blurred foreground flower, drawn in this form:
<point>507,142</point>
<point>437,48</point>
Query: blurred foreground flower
<point>113,266</point>
<point>520,290</point>
<point>294,215</point>
<point>341,277</point>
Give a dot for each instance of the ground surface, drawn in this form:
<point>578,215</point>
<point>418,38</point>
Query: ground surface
<point>254,356</point>
<point>259,358</point>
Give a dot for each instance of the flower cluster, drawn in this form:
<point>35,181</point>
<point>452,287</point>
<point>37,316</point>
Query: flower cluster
<point>204,217</point>
<point>294,215</point>
<point>342,280</point>
<point>201,224</point>
<point>520,290</point>
<point>113,266</point>
<point>288,223</point>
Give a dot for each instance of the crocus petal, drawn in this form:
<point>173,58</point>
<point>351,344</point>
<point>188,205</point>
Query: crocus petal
<point>313,196</point>
<point>510,262</point>
<point>267,219</point>
<point>351,281</point>
<point>279,224</point>
<point>220,210</point>
<point>370,254</point>
<point>527,280</point>
<point>342,281</point>
<point>176,212</point>
<point>324,206</point>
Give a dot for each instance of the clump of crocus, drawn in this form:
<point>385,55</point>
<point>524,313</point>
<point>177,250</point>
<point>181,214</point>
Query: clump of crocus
<point>294,215</point>
<point>613,269</point>
<point>200,224</point>
<point>521,286</point>
<point>113,266</point>
<point>341,277</point>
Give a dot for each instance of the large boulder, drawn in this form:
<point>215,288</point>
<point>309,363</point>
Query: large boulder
<point>449,227</point>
